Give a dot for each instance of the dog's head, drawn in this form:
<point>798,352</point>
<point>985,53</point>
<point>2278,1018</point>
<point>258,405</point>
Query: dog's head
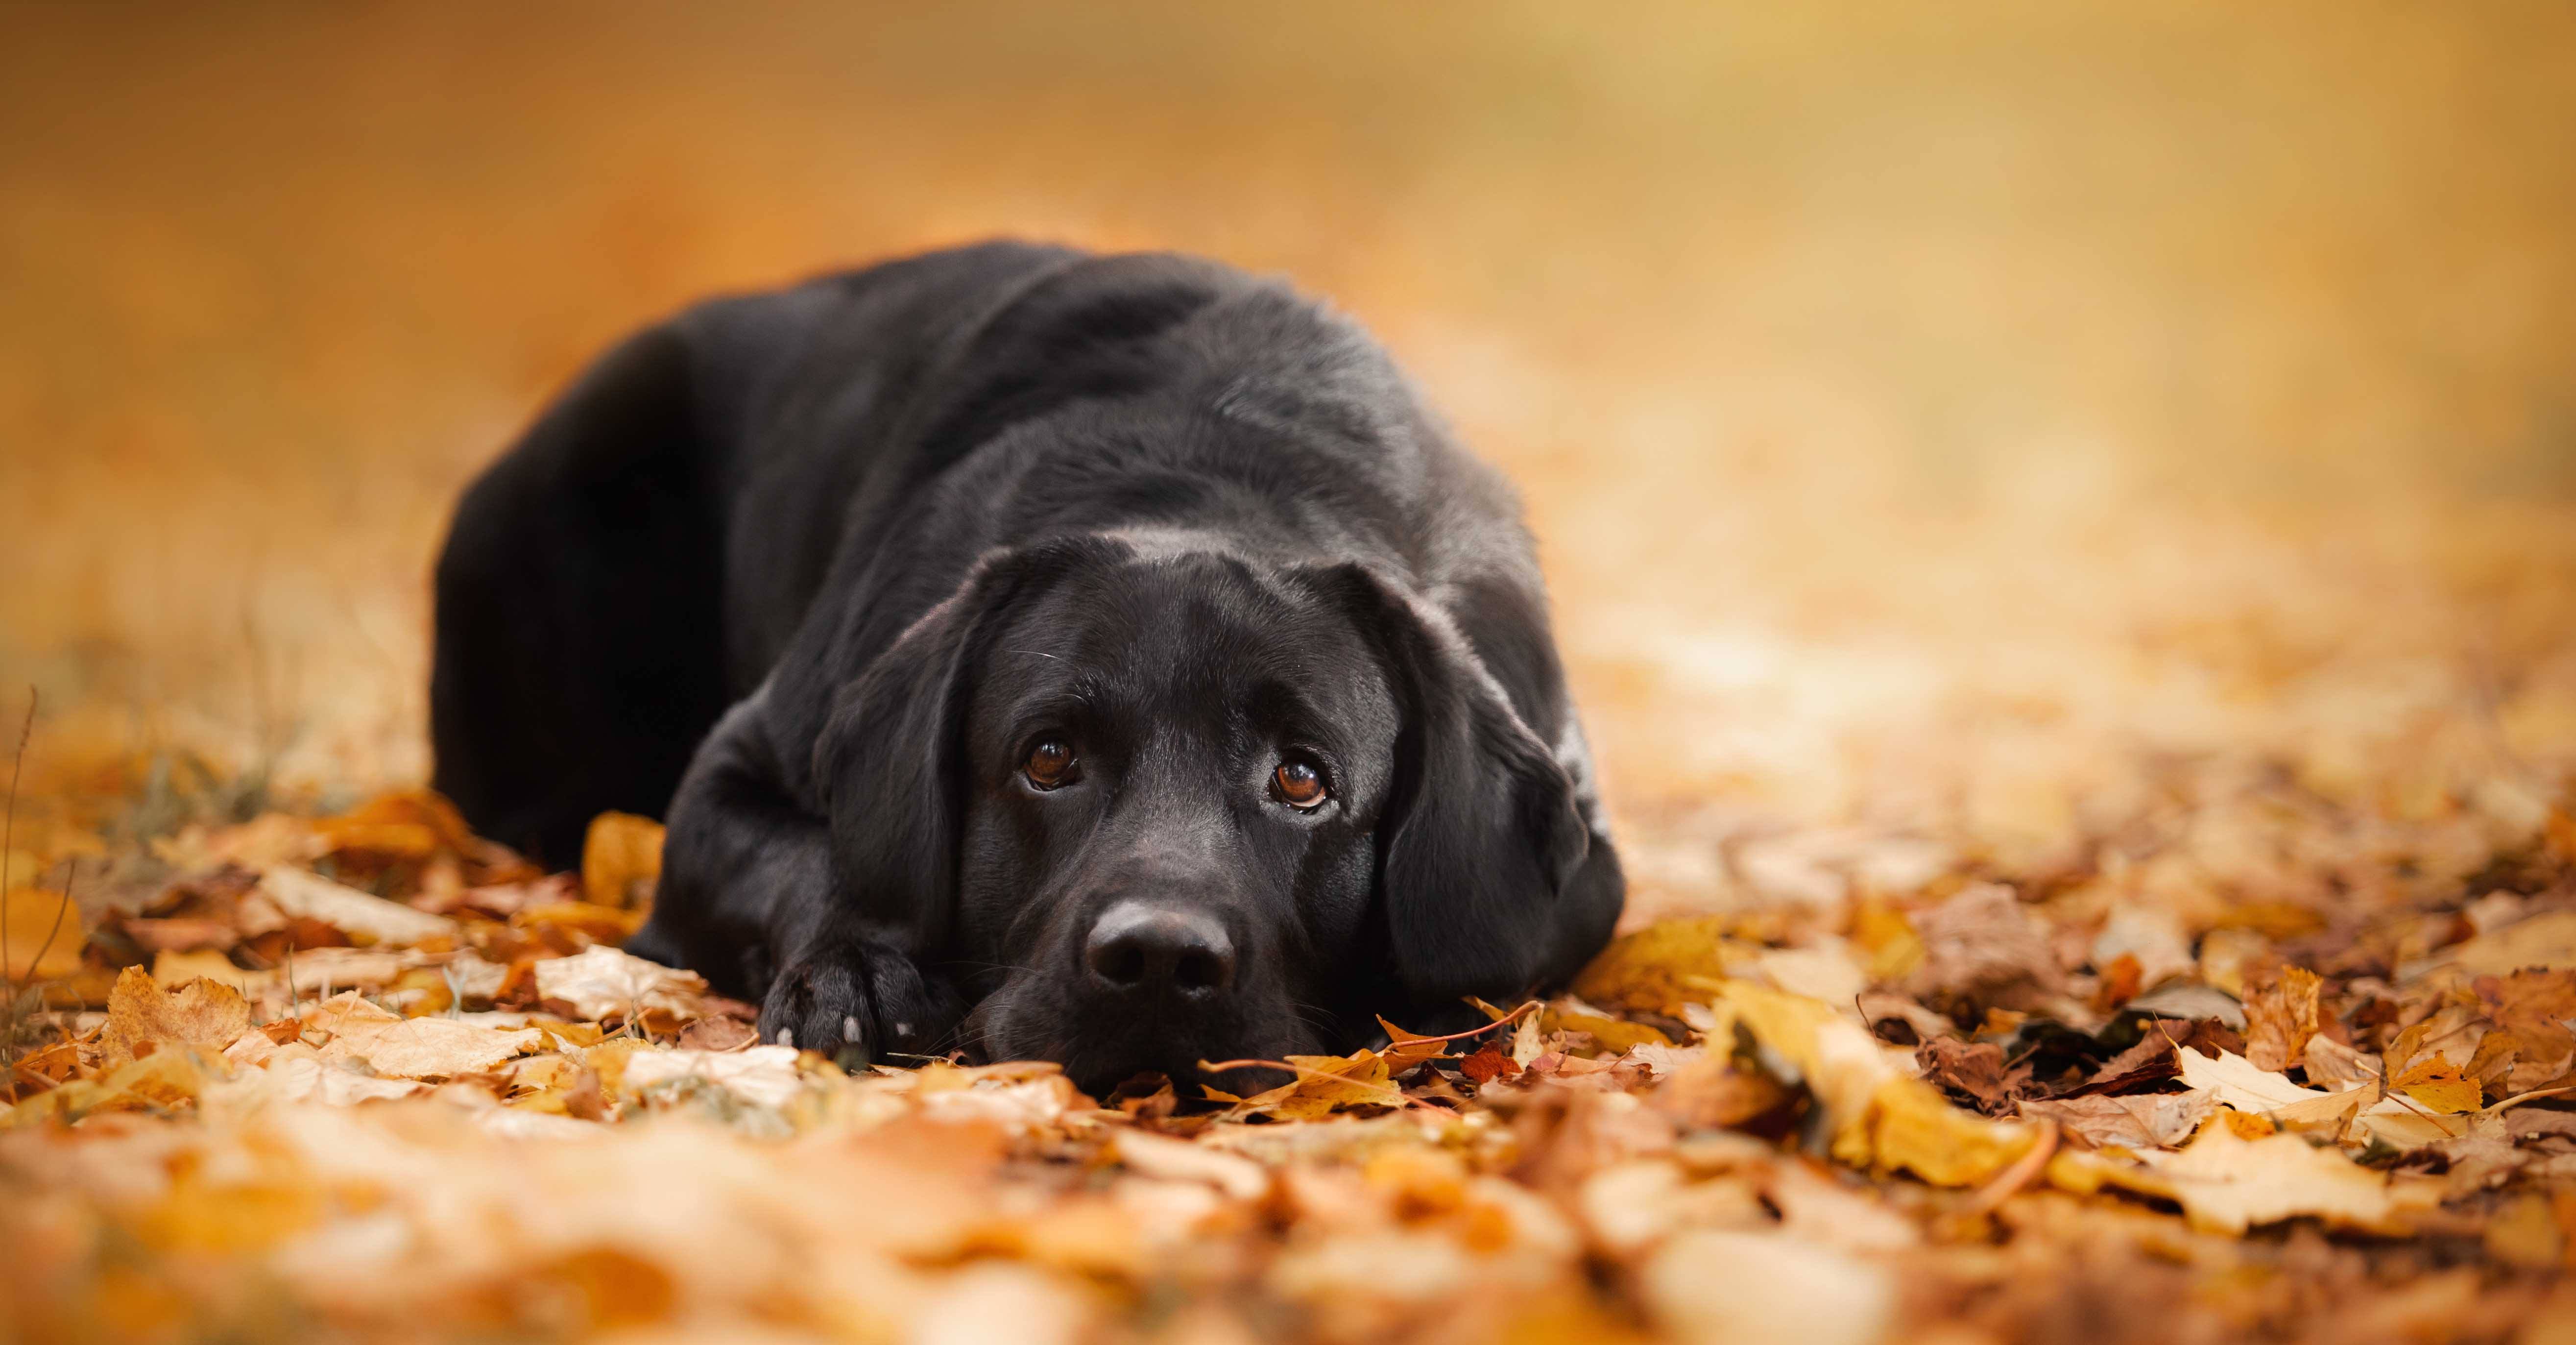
<point>1154,805</point>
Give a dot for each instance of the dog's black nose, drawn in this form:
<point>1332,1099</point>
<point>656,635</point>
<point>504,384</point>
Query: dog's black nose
<point>1139,947</point>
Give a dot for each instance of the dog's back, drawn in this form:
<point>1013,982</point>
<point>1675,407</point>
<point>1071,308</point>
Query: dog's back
<point>646,553</point>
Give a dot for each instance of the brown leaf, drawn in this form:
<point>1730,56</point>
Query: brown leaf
<point>1487,1065</point>
<point>2280,1016</point>
<point>2141,1121</point>
<point>1974,1068</point>
<point>142,1017</point>
<point>1980,943</point>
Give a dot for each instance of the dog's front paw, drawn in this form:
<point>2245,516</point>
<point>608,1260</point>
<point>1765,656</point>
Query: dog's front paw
<point>856,1004</point>
<point>820,1003</point>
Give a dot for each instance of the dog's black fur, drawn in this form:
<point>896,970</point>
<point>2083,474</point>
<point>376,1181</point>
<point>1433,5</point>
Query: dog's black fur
<point>814,571</point>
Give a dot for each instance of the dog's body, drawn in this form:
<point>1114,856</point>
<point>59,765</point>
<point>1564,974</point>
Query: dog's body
<point>1099,658</point>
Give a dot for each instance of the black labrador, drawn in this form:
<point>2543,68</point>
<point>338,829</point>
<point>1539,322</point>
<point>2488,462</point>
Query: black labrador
<point>1096,658</point>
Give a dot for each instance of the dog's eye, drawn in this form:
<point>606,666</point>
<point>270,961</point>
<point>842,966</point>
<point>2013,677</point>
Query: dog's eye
<point>1300,785</point>
<point>1050,764</point>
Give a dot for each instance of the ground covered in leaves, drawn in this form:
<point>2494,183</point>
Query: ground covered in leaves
<point>365,1075</point>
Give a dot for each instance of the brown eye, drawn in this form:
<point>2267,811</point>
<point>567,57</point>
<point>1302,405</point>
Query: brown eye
<point>1300,784</point>
<point>1050,764</point>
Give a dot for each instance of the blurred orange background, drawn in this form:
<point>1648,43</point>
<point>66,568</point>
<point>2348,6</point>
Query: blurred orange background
<point>1933,417</point>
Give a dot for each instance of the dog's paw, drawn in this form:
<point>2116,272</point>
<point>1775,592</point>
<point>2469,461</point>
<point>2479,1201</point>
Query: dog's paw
<point>820,1003</point>
<point>858,1004</point>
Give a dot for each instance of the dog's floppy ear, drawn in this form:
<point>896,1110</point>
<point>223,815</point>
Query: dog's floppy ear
<point>1483,848</point>
<point>887,761</point>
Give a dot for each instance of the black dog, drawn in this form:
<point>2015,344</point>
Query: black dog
<point>1103,659</point>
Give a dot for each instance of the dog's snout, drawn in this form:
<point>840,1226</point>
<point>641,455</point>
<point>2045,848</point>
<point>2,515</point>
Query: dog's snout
<point>1136,947</point>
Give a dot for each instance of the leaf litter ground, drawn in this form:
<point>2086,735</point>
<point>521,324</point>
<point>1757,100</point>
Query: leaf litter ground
<point>365,1075</point>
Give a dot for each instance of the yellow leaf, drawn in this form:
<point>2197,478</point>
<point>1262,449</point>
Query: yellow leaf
<point>621,859</point>
<point>1894,949</point>
<point>1646,970</point>
<point>2437,1084</point>
<point>143,1018</point>
<point>1876,1115</point>
<point>1915,1129</point>
<point>2228,1183</point>
<point>1614,1036</point>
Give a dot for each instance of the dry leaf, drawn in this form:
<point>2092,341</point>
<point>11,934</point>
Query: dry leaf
<point>621,859</point>
<point>2227,1183</point>
<point>1654,969</point>
<point>2140,1121</point>
<point>2280,1016</point>
<point>609,985</point>
<point>1982,942</point>
<point>762,1075</point>
<point>2546,942</point>
<point>363,917</point>
<point>412,1048</point>
<point>143,1018</point>
<point>2437,1084</point>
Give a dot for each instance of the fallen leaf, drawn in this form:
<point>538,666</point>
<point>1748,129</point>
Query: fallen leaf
<point>142,1018</point>
<point>621,860</point>
<point>1974,1068</point>
<point>765,1076</point>
<point>351,911</point>
<point>2437,1084</point>
<point>1980,943</point>
<point>412,1048</point>
<point>2227,1183</point>
<point>2240,1083</point>
<point>1647,970</point>
<point>1876,1115</point>
<point>2280,1016</point>
<point>2141,1121</point>
<point>608,985</point>
<point>2547,942</point>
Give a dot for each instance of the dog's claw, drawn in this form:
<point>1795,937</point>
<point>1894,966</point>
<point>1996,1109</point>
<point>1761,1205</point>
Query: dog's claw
<point>787,1038</point>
